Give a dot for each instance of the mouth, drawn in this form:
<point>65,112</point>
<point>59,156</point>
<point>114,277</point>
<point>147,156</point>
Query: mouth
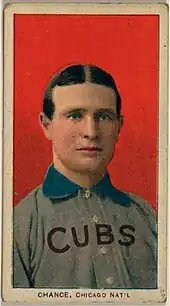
<point>90,149</point>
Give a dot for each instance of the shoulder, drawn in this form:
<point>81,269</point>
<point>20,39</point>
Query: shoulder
<point>143,208</point>
<point>28,202</point>
<point>28,206</point>
<point>141,204</point>
<point>136,207</point>
<point>33,205</point>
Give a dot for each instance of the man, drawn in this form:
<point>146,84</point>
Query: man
<point>76,229</point>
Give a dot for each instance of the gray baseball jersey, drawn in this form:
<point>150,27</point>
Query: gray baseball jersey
<point>66,236</point>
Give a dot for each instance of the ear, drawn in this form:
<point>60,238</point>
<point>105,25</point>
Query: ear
<point>120,123</point>
<point>121,120</point>
<point>45,123</point>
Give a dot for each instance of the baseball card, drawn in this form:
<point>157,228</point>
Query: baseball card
<point>85,153</point>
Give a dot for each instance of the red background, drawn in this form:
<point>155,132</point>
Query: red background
<point>127,47</point>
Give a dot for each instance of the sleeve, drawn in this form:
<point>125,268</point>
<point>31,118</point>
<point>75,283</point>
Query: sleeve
<point>22,226</point>
<point>142,257</point>
<point>20,273</point>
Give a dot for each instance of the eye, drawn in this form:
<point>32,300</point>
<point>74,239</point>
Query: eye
<point>103,117</point>
<point>74,116</point>
<point>100,116</point>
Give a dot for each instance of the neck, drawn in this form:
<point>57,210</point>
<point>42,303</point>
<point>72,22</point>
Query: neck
<point>85,179</point>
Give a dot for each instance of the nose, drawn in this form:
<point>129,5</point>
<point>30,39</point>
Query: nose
<point>90,128</point>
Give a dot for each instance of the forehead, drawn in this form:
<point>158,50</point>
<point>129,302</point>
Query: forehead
<point>86,95</point>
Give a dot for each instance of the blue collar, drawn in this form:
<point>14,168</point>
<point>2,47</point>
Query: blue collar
<point>57,186</point>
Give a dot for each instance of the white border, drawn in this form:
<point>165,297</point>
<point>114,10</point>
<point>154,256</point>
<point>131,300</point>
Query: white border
<point>30,295</point>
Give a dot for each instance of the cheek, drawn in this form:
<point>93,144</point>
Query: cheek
<point>63,134</point>
<point>109,130</point>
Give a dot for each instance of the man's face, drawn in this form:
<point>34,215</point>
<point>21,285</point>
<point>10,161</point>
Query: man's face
<point>84,128</point>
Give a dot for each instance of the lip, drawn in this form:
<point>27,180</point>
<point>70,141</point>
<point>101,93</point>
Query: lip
<point>90,149</point>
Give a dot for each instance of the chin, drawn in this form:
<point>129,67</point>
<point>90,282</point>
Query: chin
<point>90,167</point>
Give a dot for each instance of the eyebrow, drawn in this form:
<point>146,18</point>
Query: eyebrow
<point>71,110</point>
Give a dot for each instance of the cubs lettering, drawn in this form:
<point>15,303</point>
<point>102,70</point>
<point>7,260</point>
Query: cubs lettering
<point>104,236</point>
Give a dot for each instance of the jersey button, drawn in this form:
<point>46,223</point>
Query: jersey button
<point>109,280</point>
<point>87,194</point>
<point>95,219</point>
<point>103,251</point>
